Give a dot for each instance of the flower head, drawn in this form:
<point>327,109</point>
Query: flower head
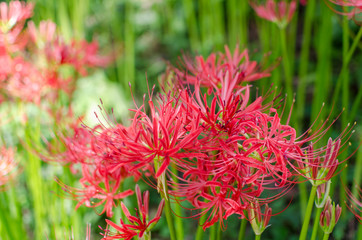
<point>140,224</point>
<point>280,12</point>
<point>12,19</point>
<point>227,71</point>
<point>258,220</point>
<point>329,216</point>
<point>320,166</point>
<point>355,11</point>
<point>7,165</point>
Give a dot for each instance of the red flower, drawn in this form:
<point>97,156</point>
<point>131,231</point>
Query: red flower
<point>94,194</point>
<point>7,165</point>
<point>329,216</point>
<point>258,220</point>
<point>220,72</point>
<point>139,224</point>
<point>162,136</point>
<point>12,20</point>
<point>353,13</point>
<point>348,3</point>
<point>43,35</point>
<point>319,166</point>
<point>280,13</point>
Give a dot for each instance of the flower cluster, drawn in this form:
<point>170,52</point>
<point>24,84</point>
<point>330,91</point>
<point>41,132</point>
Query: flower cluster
<point>206,141</point>
<point>33,57</point>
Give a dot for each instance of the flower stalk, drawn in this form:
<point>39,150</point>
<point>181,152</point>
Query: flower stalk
<point>242,229</point>
<point>304,231</point>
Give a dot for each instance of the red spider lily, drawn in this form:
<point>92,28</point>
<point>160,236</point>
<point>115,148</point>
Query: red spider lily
<point>319,166</point>
<point>102,164</point>
<point>6,61</point>
<point>34,68</point>
<point>79,54</point>
<point>104,167</point>
<point>12,20</point>
<point>44,34</point>
<point>161,137</point>
<point>123,231</point>
<point>219,150</point>
<point>15,12</point>
<point>354,13</point>
<point>31,84</point>
<point>140,224</point>
<point>356,4</point>
<point>280,12</point>
<point>227,71</point>
<point>329,216</point>
<point>243,148</point>
<point>7,165</point>
<point>25,82</point>
<point>303,2</point>
<point>93,191</point>
<point>354,203</point>
<point>258,220</point>
<point>274,142</point>
<point>86,55</point>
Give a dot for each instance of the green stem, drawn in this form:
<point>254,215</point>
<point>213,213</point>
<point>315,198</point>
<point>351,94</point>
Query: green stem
<point>359,231</point>
<point>346,61</point>
<point>34,179</point>
<point>178,209</point>
<point>242,229</point>
<point>5,221</point>
<point>303,69</point>
<point>326,236</point>
<point>216,11</point>
<point>286,65</point>
<point>304,231</point>
<point>200,230</point>
<point>355,106</point>
<point>316,223</point>
<point>257,237</point>
<point>345,104</point>
<point>205,31</point>
<point>190,16</point>
<point>169,219</point>
<point>292,40</point>
<point>303,198</point>
<point>213,232</point>
<point>276,74</point>
<point>354,45</point>
<point>323,74</point>
<point>237,22</point>
<point>129,48</point>
<point>17,211</point>
<point>219,232</point>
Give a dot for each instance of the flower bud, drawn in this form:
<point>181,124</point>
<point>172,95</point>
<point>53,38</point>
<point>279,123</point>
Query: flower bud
<point>329,216</point>
<point>258,220</point>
